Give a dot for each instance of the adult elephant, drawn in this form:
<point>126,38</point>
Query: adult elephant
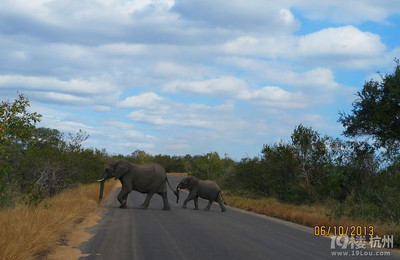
<point>147,178</point>
<point>205,189</point>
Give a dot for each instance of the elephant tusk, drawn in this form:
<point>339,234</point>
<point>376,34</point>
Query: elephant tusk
<point>101,180</point>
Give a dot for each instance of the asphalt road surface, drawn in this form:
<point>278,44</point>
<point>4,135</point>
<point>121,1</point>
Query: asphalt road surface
<point>133,233</point>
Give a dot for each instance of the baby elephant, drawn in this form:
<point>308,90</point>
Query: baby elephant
<point>204,189</point>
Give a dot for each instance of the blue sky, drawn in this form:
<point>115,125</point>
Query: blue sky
<point>178,77</point>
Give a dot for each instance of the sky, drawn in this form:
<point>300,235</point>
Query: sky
<point>191,77</point>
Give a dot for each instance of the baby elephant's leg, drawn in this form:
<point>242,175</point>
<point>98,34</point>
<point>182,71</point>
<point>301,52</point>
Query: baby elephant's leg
<point>189,198</point>
<point>196,203</point>
<point>221,203</point>
<point>207,208</point>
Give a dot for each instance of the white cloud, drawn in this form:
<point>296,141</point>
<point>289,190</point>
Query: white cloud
<point>113,132</point>
<point>123,49</point>
<point>54,12</point>
<point>176,114</point>
<point>137,145</point>
<point>133,134</point>
<point>316,120</point>
<point>277,97</point>
<point>60,97</point>
<point>343,11</point>
<point>81,92</point>
<point>178,146</point>
<point>64,124</point>
<point>270,46</point>
<point>117,136</point>
<point>230,87</point>
<point>266,16</point>
<point>315,78</point>
<point>173,70</point>
<point>345,46</point>
<point>315,86</point>
<point>118,124</point>
<point>19,55</point>
<point>346,41</point>
<point>100,108</point>
<point>225,86</point>
<point>72,86</point>
<point>286,16</point>
<point>146,100</point>
<point>164,119</point>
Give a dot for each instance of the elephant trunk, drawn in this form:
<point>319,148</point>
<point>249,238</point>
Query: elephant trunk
<point>177,194</point>
<point>102,180</point>
<point>101,189</point>
<point>178,187</point>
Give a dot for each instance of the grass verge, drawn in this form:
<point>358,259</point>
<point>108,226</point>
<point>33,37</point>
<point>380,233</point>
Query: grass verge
<point>29,232</point>
<point>307,215</point>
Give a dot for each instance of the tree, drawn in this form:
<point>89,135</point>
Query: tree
<point>17,129</point>
<point>50,137</point>
<point>311,153</point>
<point>140,156</point>
<point>376,111</point>
<point>17,125</point>
<point>207,166</point>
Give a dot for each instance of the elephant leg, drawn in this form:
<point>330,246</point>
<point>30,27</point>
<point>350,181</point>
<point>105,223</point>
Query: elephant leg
<point>221,204</point>
<point>166,207</point>
<point>191,196</point>
<point>207,208</point>
<point>122,196</point>
<point>196,203</point>
<point>146,202</point>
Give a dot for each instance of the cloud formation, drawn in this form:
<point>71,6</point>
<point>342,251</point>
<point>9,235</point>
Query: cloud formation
<point>172,75</point>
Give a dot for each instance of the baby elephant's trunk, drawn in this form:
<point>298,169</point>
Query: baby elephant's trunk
<point>177,194</point>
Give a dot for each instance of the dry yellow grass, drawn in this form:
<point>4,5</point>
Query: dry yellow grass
<point>305,215</point>
<point>32,232</point>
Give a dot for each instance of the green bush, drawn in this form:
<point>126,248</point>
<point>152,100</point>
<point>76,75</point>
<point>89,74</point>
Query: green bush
<point>207,167</point>
<point>39,162</point>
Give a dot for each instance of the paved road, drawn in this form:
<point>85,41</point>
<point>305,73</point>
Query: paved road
<point>188,234</point>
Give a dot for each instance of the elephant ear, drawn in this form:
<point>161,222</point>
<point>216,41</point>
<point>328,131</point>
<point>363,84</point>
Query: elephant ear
<point>192,182</point>
<point>121,167</point>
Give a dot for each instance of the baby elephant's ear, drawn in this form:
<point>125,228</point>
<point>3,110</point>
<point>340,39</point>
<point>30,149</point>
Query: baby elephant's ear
<point>192,182</point>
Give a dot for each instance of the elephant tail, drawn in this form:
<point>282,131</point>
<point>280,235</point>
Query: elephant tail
<point>220,193</point>
<point>175,192</point>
